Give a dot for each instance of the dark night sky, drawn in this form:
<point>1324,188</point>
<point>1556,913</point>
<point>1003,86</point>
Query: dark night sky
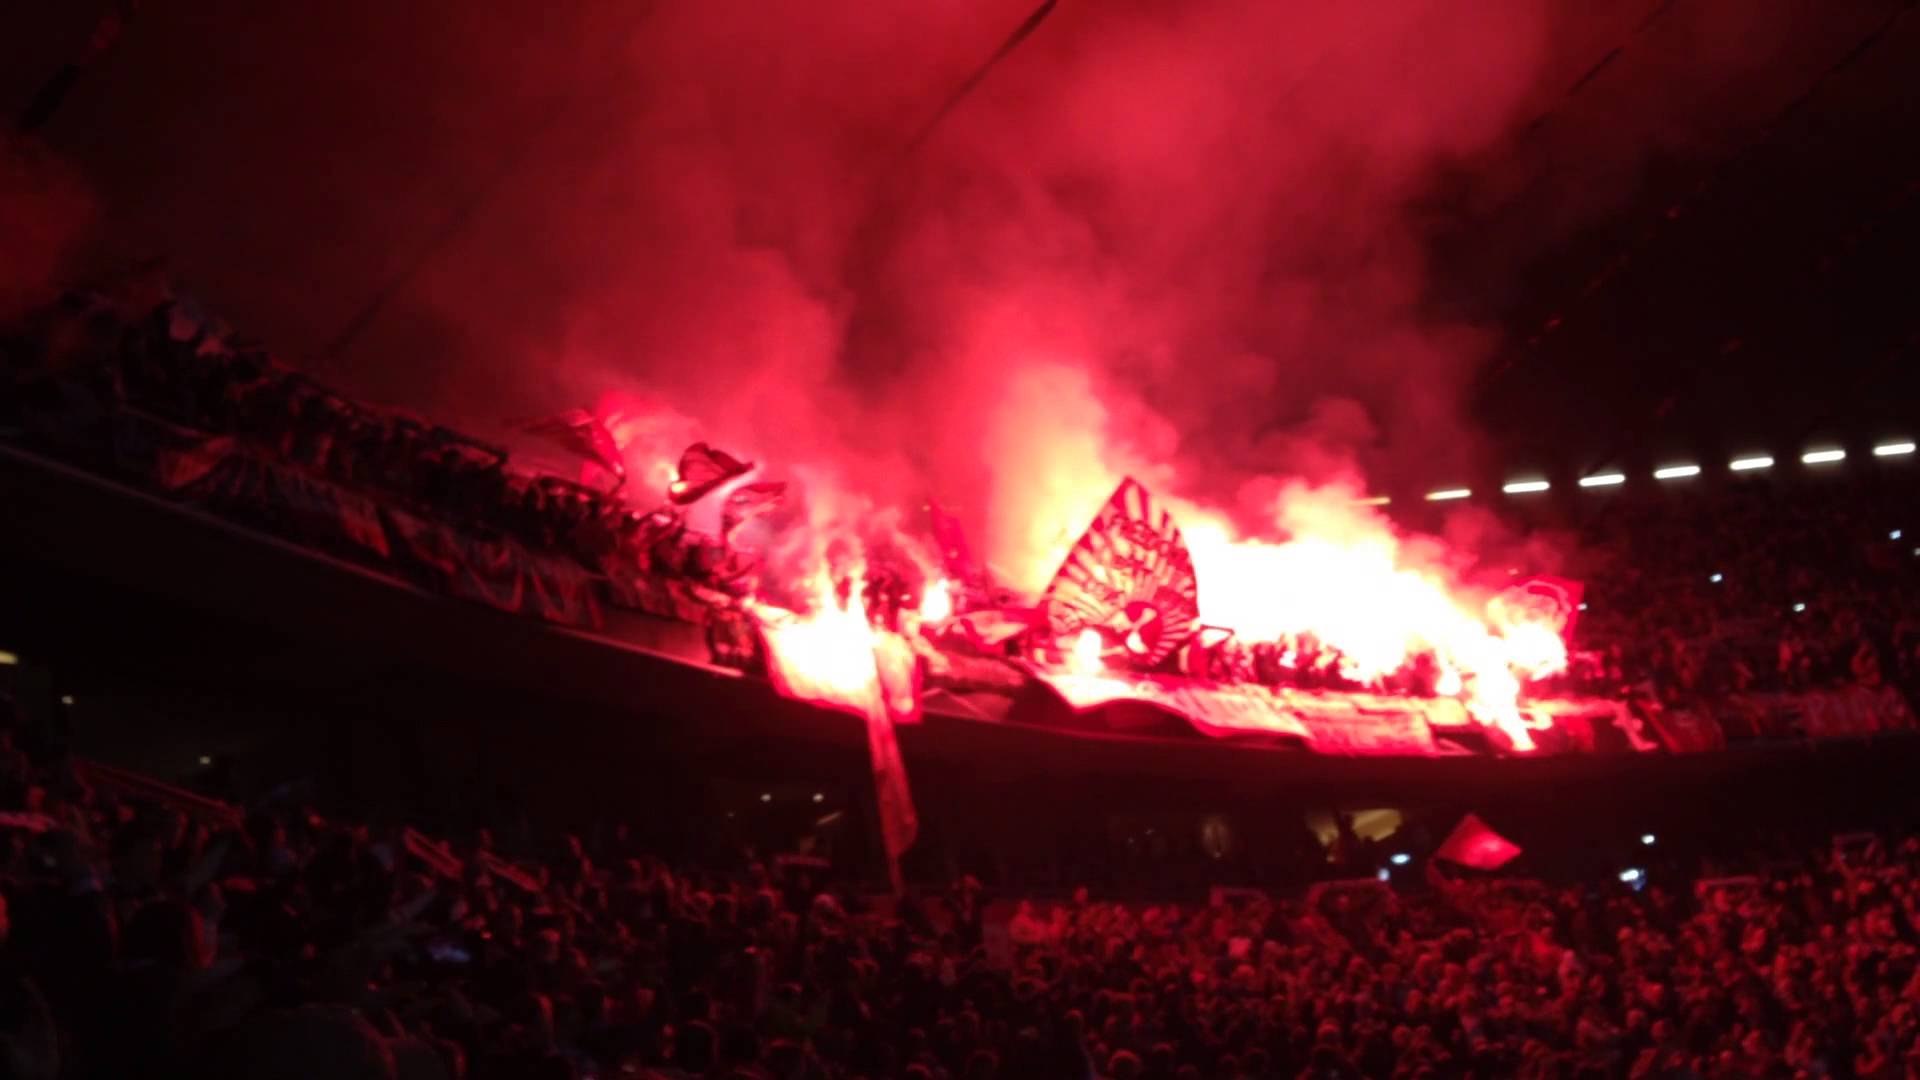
<point>1715,209</point>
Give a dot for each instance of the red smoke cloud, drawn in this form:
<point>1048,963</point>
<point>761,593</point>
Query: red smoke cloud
<point>1172,243</point>
<point>1187,241</point>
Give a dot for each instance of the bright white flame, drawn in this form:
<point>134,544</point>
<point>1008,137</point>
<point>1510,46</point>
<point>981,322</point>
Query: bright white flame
<point>1893,449</point>
<point>1085,658</point>
<point>1449,494</point>
<point>1525,487</point>
<point>1823,457</point>
<point>1610,479</point>
<point>825,655</point>
<point>936,601</point>
<point>1676,472</point>
<point>1748,463</point>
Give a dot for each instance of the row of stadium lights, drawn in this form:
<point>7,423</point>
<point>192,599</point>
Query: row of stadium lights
<point>1665,472</point>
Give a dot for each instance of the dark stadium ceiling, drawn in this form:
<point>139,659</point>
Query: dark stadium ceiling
<point>1704,235</point>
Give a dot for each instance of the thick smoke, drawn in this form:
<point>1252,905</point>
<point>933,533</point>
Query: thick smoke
<point>1169,242</point>
<point>1188,241</point>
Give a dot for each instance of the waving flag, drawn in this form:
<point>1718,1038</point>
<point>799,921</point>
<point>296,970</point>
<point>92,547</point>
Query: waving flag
<point>581,433</point>
<point>1130,578</point>
<point>702,469</point>
<point>748,502</point>
<point>1474,843</point>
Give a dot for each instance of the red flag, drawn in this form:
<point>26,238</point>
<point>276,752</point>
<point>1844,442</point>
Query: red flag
<point>581,433</point>
<point>1130,578</point>
<point>747,502</point>
<point>1473,843</point>
<point>702,469</point>
<point>899,822</point>
<point>879,688</point>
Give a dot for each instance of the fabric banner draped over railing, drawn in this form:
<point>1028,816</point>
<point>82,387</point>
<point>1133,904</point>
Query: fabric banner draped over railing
<point>499,573</point>
<point>254,487</point>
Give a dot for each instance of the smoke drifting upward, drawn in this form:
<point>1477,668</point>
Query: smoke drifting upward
<point>1175,243</point>
<point>1179,240</point>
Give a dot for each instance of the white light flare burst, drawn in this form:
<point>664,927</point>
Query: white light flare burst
<point>1347,579</point>
<point>825,655</point>
<point>1085,658</point>
<point>936,601</point>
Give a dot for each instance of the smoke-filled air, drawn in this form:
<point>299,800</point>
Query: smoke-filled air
<point>1185,243</point>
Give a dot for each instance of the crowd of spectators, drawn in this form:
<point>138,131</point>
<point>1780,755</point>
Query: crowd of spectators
<point>146,938</point>
<point>1758,585</point>
<point>115,355</point>
<point>1693,595</point>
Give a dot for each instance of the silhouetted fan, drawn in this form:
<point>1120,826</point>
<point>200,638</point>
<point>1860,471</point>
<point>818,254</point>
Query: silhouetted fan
<point>1129,577</point>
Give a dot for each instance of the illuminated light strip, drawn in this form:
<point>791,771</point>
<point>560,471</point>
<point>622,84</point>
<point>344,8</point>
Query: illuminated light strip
<point>1822,457</point>
<point>1747,463</point>
<point>1448,494</point>
<point>1676,472</point>
<point>1525,487</point>
<point>1893,449</point>
<point>1373,500</point>
<point>1612,479</point>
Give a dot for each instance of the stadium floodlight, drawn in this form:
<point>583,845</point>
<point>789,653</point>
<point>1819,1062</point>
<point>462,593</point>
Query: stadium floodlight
<point>1373,500</point>
<point>1399,858</point>
<point>1610,479</point>
<point>1449,494</point>
<point>1676,472</point>
<point>1893,449</point>
<point>1822,457</point>
<point>1747,464</point>
<point>1525,487</point>
<point>1646,838</point>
